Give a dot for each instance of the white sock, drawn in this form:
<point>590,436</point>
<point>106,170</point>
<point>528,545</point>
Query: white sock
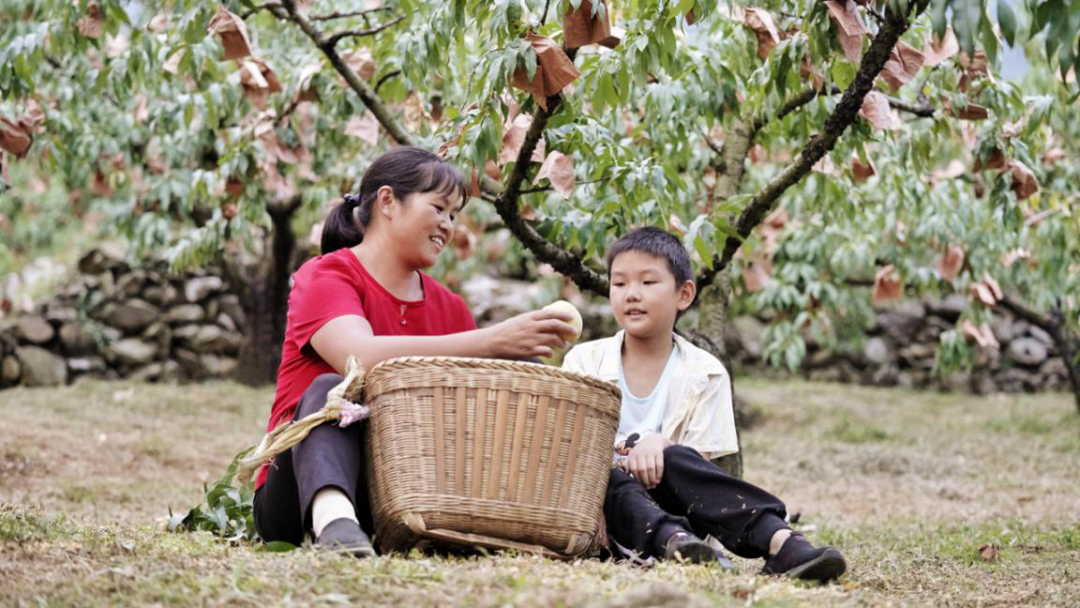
<point>330,504</point>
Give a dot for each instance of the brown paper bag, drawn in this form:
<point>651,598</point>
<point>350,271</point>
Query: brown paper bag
<point>554,71</point>
<point>582,28</point>
<point>233,34</point>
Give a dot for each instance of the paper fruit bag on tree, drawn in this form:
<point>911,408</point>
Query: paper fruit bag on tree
<point>582,27</point>
<point>554,71</point>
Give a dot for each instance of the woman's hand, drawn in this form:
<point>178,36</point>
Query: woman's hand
<point>646,460</point>
<point>532,334</point>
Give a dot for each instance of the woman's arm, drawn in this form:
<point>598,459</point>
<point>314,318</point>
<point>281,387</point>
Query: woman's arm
<point>532,334</point>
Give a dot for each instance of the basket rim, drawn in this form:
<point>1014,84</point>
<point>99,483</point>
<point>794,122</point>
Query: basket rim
<point>388,365</point>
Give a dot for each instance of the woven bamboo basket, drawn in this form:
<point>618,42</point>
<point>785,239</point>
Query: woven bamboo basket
<point>488,453</point>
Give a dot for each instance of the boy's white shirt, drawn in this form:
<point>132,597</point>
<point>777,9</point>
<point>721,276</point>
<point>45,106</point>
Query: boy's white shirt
<point>699,410</point>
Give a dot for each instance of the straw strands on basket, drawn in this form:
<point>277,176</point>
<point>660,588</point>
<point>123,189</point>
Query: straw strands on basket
<point>344,403</point>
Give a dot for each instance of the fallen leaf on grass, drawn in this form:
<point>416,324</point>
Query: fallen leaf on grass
<point>989,552</point>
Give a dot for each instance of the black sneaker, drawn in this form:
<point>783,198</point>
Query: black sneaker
<point>799,559</point>
<point>684,547</point>
<point>345,536</point>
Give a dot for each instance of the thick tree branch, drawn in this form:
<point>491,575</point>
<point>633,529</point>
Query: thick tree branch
<point>363,91</point>
<point>333,40</point>
<point>563,261</point>
<point>506,197</point>
<point>843,115</point>
<point>805,97</point>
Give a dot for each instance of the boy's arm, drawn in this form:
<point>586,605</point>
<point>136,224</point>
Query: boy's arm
<point>574,361</point>
<point>711,427</point>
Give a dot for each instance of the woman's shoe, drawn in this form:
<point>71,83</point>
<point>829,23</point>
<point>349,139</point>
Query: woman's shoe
<point>345,536</point>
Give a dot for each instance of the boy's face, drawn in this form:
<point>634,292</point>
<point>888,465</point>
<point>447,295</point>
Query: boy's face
<point>644,296</point>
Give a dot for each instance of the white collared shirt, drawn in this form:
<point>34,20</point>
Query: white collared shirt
<point>698,413</point>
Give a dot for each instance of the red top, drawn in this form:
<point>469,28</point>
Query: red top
<point>335,285</point>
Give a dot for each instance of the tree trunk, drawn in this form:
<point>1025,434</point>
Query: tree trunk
<point>711,335</point>
<point>1067,347</point>
<point>264,294</point>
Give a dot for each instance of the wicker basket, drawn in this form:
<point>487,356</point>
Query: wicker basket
<point>488,453</point>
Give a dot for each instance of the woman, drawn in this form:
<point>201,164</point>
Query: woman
<point>366,295</point>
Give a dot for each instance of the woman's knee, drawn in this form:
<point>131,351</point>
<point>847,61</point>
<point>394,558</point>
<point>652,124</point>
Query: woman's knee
<point>314,397</point>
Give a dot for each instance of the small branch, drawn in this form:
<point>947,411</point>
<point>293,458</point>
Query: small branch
<point>845,113</point>
<point>876,15</point>
<point>333,40</point>
<point>366,94</point>
<point>709,142</point>
<point>543,18</point>
<point>273,7</point>
<point>339,15</point>
<point>549,188</point>
<point>384,78</point>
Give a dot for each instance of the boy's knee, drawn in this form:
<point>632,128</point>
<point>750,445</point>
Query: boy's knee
<point>676,453</point>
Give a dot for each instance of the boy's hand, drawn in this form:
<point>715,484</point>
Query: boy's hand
<point>646,461</point>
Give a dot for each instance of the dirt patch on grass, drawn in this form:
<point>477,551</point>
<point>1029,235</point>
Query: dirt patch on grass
<point>909,485</point>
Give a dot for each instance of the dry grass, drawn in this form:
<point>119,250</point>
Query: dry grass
<point>910,485</point>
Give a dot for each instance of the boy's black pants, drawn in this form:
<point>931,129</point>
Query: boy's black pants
<point>693,494</point>
<point>330,456</point>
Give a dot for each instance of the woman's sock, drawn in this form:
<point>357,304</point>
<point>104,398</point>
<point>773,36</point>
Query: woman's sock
<point>330,504</point>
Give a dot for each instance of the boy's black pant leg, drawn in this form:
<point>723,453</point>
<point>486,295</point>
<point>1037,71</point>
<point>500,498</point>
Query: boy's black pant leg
<point>634,519</point>
<point>330,456</point>
<point>742,516</point>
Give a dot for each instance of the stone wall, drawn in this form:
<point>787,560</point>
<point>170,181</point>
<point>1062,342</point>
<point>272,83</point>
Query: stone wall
<point>146,324</point>
<point>898,350</point>
<point>113,321</point>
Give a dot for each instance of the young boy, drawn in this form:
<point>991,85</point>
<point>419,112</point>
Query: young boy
<point>676,417</point>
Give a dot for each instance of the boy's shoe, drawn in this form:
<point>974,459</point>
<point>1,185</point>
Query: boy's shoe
<point>799,559</point>
<point>345,536</point>
<point>684,547</point>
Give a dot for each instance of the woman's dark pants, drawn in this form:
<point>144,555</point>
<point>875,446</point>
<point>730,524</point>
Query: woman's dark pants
<point>330,456</point>
<point>693,494</point>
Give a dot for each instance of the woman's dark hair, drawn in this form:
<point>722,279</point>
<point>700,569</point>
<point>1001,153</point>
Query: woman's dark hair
<point>405,171</point>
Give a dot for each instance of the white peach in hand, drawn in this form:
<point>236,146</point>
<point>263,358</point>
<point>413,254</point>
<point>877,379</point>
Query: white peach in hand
<point>562,306</point>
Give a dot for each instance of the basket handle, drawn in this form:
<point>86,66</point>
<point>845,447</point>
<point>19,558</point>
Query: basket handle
<point>416,524</point>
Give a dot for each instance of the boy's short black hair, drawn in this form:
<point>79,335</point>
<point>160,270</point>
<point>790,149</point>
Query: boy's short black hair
<point>654,241</point>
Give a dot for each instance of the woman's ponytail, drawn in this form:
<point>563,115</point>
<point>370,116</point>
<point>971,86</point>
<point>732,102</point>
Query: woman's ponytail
<point>342,227</point>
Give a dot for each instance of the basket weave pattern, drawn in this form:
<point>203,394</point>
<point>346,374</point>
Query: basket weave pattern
<point>491,453</point>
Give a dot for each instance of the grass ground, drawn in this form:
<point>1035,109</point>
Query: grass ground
<point>909,485</point>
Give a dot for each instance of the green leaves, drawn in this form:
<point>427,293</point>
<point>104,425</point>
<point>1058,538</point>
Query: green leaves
<point>227,512</point>
<point>1007,21</point>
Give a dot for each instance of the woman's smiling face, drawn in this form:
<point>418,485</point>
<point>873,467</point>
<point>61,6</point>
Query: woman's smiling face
<point>424,224</point>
